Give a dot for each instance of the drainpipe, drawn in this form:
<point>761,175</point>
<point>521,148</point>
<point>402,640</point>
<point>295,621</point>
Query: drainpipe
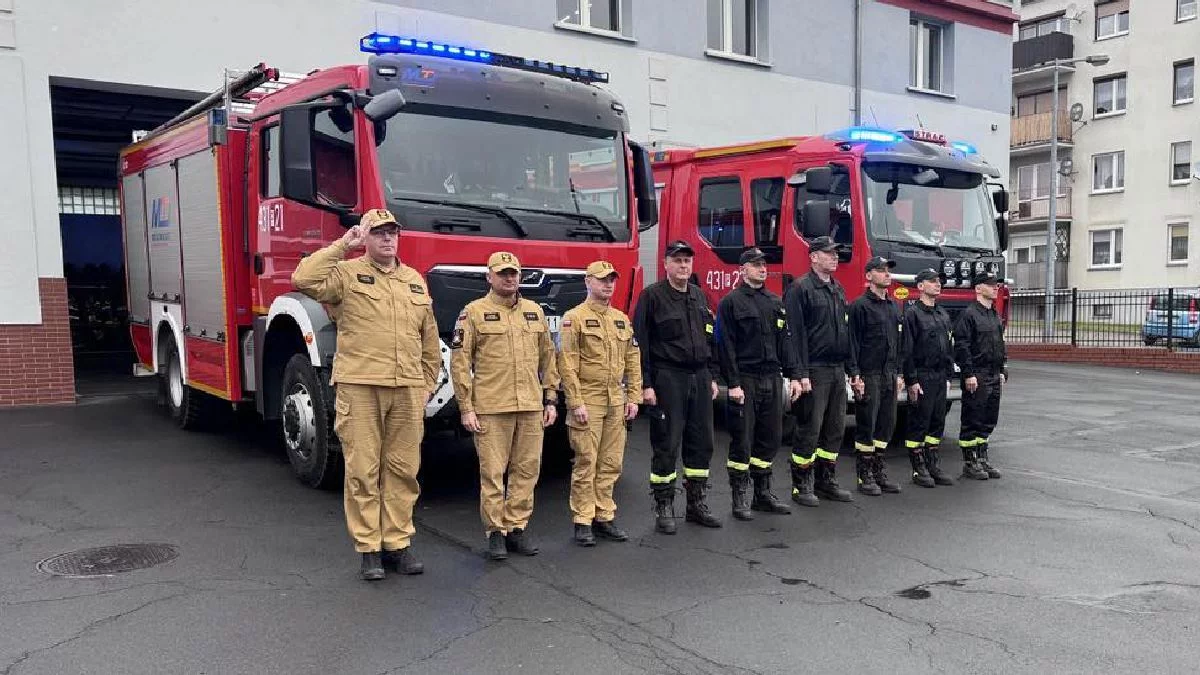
<point>857,62</point>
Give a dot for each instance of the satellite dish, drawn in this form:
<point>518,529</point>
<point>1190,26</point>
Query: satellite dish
<point>1076,112</point>
<point>1065,166</point>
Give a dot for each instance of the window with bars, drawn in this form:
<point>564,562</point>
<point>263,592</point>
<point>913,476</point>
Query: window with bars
<point>91,201</point>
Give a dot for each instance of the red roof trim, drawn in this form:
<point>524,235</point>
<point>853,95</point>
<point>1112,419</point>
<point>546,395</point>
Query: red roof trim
<point>978,13</point>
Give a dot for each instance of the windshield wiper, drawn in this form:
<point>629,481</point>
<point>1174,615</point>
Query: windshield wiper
<point>497,211</point>
<point>585,217</point>
<point>909,242</point>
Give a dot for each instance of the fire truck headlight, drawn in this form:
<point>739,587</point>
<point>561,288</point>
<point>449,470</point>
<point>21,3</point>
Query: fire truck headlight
<point>980,267</point>
<point>964,268</point>
<point>948,268</point>
<point>994,267</point>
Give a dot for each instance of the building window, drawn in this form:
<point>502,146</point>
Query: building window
<point>1106,248</point>
<point>1181,162</point>
<point>734,27</point>
<point>1112,19</point>
<point>609,16</point>
<point>1108,171</point>
<point>1178,234</point>
<point>926,54</point>
<point>1185,9</point>
<point>1109,95</point>
<point>1054,24</point>
<point>722,217</point>
<point>88,201</point>
<point>1041,102</point>
<point>1185,81</point>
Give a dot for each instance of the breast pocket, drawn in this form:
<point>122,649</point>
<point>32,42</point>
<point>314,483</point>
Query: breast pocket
<point>491,340</point>
<point>532,332</point>
<point>364,308</point>
<point>419,306</point>
<point>669,328</point>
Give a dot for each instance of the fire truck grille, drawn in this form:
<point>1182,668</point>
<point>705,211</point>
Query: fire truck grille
<point>452,287</point>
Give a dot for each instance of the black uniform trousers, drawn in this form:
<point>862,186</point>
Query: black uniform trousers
<point>756,427</point>
<point>980,410</point>
<point>875,414</point>
<point>820,417</point>
<point>927,418</point>
<point>681,424</point>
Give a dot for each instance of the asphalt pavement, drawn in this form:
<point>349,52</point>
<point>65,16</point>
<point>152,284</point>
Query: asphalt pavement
<point>1081,559</point>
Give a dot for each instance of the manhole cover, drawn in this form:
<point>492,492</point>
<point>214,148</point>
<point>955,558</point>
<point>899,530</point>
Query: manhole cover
<point>108,560</point>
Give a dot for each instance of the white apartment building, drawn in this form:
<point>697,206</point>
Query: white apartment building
<point>1128,143</point>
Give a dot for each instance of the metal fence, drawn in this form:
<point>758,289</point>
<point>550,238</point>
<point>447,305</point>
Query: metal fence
<point>1147,317</point>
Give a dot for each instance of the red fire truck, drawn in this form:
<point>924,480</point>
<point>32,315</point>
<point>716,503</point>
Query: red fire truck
<point>474,151</point>
<point>910,196</point>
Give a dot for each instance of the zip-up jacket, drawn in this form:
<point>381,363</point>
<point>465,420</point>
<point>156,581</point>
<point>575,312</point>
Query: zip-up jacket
<point>875,334</point>
<point>753,336</point>
<point>674,329</point>
<point>979,342</point>
<point>820,323</point>
<point>927,341</point>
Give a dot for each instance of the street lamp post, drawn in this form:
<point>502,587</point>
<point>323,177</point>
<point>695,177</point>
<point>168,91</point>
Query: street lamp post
<point>1052,224</point>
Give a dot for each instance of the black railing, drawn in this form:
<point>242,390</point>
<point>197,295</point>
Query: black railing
<point>1148,317</point>
<point>1042,49</point>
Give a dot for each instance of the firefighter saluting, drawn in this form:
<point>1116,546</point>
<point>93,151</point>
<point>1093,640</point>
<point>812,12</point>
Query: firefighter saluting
<point>601,369</point>
<point>981,356</point>
<point>385,371</point>
<point>506,384</point>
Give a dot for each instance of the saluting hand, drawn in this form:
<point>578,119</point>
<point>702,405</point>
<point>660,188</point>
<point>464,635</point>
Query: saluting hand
<point>354,237</point>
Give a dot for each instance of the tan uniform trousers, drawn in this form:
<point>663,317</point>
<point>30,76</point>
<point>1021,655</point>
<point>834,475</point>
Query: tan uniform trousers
<point>380,429</point>
<point>599,453</point>
<point>509,442</point>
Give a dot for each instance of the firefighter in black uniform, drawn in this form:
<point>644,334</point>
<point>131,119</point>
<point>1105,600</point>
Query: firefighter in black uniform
<point>928,364</point>
<point>755,352</point>
<point>674,327</point>
<point>875,334</point>
<point>980,354</point>
<point>816,305</point>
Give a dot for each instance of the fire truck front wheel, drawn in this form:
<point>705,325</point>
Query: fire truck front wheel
<point>307,424</point>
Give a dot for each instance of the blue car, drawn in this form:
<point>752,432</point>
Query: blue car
<point>1184,318</point>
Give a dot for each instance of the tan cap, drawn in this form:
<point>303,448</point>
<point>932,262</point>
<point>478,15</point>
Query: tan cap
<point>377,218</point>
<point>601,269</point>
<point>503,260</point>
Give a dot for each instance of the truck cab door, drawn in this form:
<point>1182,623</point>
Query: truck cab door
<point>768,194</point>
<point>721,231</point>
<point>841,221</point>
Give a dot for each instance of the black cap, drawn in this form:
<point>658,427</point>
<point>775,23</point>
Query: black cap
<point>984,278</point>
<point>822,244</point>
<point>880,262</point>
<point>752,254</point>
<point>929,274</point>
<point>679,247</point>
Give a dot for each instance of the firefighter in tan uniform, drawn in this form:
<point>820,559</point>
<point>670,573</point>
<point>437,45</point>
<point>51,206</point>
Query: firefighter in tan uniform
<point>601,370</point>
<point>506,386</point>
<point>385,370</point>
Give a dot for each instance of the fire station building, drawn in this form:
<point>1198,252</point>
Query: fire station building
<point>83,79</point>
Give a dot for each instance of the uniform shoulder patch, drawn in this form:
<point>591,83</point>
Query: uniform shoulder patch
<point>491,316</point>
<point>457,341</point>
<point>417,288</point>
<point>366,279</point>
<point>566,323</point>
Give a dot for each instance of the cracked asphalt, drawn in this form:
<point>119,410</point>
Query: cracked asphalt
<point>1082,559</point>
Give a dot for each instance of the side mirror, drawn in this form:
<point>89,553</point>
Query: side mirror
<point>297,178</point>
<point>816,219</point>
<point>643,188</point>
<point>385,106</point>
<point>1000,199</point>
<point>818,180</point>
<point>1002,232</point>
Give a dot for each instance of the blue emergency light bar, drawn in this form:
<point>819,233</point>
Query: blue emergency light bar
<point>868,135</point>
<point>378,43</point>
<point>964,147</point>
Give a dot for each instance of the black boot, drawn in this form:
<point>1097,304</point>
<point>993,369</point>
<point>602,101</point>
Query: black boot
<point>739,490</point>
<point>827,485</point>
<point>372,566</point>
<point>697,508</point>
<point>802,486</point>
<point>879,468</point>
<point>920,471</point>
<point>866,478</point>
<point>497,550</point>
<point>404,561</point>
<point>607,529</point>
<point>934,459</point>
<point>664,510</point>
<point>971,468</point>
<point>983,462</point>
<point>522,543</point>
<point>583,535</point>
<point>764,499</point>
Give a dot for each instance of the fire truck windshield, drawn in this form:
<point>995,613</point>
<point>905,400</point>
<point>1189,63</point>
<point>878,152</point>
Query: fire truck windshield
<point>929,207</point>
<point>452,170</point>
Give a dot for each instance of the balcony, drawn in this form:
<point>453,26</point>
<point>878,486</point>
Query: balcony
<point>1038,209</point>
<point>1033,275</point>
<point>1032,57</point>
<point>1031,134</point>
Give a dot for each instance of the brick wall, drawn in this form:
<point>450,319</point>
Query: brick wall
<point>35,360</point>
<point>1142,358</point>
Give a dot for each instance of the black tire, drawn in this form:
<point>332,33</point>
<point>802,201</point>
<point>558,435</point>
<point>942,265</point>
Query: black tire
<point>307,425</point>
<point>189,409</point>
